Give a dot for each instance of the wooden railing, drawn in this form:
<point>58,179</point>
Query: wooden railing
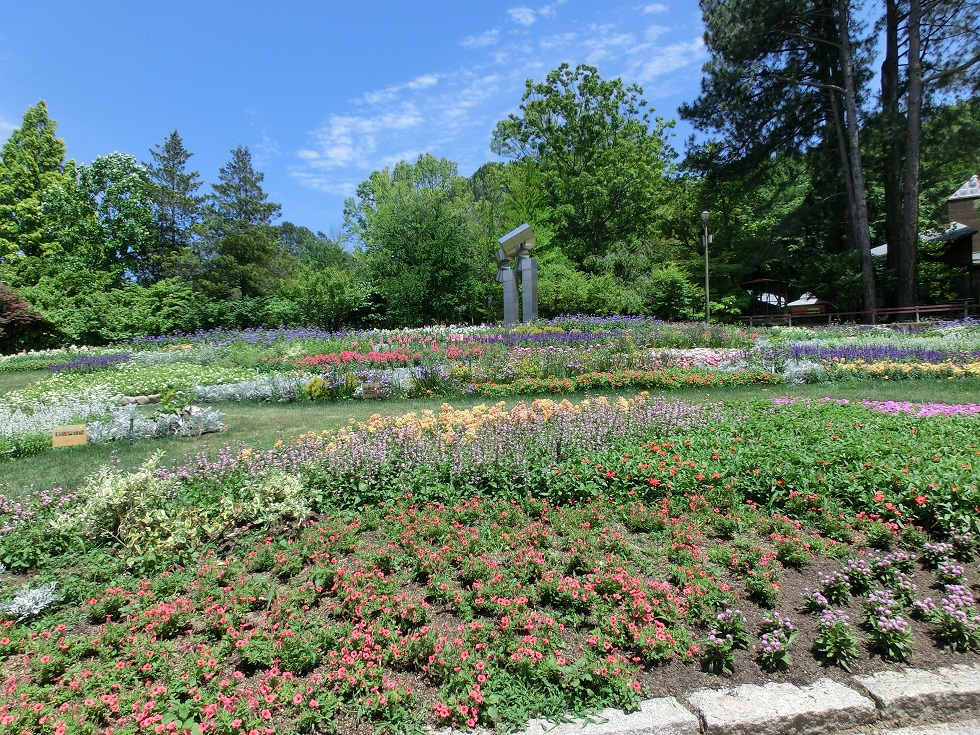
<point>903,314</point>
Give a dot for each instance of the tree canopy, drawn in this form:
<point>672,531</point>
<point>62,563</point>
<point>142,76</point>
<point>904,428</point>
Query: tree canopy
<point>604,160</point>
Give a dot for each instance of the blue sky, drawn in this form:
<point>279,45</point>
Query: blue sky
<point>323,92</point>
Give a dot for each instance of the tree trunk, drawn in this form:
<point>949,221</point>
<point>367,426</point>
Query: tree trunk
<point>909,244</point>
<point>893,125</point>
<point>859,199</point>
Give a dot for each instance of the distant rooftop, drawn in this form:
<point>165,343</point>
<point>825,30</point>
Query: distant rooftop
<point>969,190</point>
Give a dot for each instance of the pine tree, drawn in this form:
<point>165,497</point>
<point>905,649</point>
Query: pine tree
<point>242,244</point>
<point>177,209</point>
<point>787,75</point>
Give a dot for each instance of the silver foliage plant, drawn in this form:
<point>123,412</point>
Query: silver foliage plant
<point>268,388</point>
<point>38,416</point>
<point>128,423</point>
<point>31,601</point>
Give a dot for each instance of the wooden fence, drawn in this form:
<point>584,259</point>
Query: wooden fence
<point>877,316</point>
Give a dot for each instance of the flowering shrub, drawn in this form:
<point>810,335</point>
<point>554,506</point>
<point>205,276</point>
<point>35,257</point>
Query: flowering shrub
<point>107,499</point>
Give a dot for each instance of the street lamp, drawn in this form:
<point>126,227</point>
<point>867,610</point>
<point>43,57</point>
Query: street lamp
<point>705,216</point>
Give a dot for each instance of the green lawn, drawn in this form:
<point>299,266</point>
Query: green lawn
<point>260,425</point>
<point>19,380</point>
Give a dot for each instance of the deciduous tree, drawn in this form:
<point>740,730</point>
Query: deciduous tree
<point>411,222</point>
<point>603,158</point>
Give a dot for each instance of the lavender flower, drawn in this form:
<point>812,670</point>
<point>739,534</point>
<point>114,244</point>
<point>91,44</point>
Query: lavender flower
<point>91,364</point>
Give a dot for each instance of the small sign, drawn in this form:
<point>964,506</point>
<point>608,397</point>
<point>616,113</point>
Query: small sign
<point>68,436</point>
<point>369,390</point>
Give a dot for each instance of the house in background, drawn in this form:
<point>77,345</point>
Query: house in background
<point>960,239</point>
<point>963,235</point>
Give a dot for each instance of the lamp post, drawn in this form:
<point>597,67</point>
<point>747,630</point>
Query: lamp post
<point>705,216</point>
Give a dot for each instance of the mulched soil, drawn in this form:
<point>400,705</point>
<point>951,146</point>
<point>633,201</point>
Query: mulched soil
<point>677,678</point>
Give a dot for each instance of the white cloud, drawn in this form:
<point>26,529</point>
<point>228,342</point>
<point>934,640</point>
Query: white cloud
<point>423,82</point>
<point>672,58</point>
<point>488,38</point>
<point>430,113</point>
<point>392,159</point>
<point>557,40</point>
<point>606,42</point>
<point>392,93</point>
<point>326,184</point>
<point>546,11</point>
<point>523,15</point>
<point>265,149</point>
<point>456,112</point>
<point>452,112</point>
<point>347,140</point>
<point>654,8</point>
<point>526,16</point>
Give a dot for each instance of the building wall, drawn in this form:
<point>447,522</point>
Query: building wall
<point>963,211</point>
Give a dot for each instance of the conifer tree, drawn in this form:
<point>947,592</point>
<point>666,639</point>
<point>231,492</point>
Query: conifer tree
<point>177,209</point>
<point>31,161</point>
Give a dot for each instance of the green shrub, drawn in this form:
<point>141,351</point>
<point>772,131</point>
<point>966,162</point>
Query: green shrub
<point>108,500</point>
<point>272,498</point>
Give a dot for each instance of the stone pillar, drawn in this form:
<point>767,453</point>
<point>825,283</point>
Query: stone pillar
<point>529,287</point>
<point>505,275</point>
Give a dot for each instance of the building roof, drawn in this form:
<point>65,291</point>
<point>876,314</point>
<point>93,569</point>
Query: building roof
<point>969,190</point>
<point>807,299</point>
<point>953,231</point>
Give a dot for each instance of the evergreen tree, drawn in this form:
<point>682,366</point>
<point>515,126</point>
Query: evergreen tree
<point>931,50</point>
<point>242,245</point>
<point>785,76</point>
<point>177,209</point>
<point>31,161</point>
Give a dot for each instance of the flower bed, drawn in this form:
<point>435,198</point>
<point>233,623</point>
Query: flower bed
<point>484,566</point>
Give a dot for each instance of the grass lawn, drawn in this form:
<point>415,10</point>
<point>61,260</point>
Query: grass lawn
<point>261,425</point>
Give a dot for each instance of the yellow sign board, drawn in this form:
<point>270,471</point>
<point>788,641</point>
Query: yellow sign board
<point>69,435</point>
